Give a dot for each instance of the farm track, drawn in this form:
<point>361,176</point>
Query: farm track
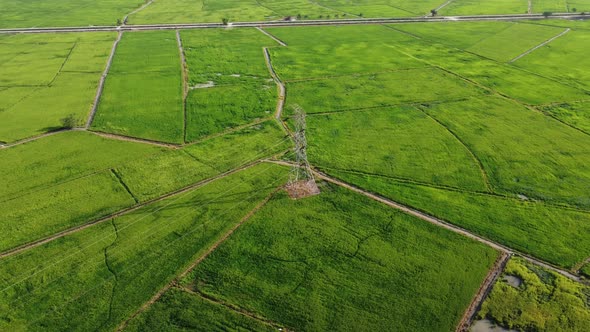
<point>34,138</point>
<point>184,75</point>
<point>233,308</point>
<point>212,248</point>
<point>264,24</point>
<point>530,7</point>
<point>580,265</point>
<point>540,45</point>
<point>101,81</point>
<point>444,5</point>
<point>435,221</point>
<point>281,89</point>
<point>39,242</point>
<point>483,292</point>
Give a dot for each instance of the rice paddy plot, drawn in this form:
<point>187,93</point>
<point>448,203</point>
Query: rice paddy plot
<point>49,211</point>
<point>553,6</point>
<point>578,6</point>
<point>214,110</point>
<point>93,279</point>
<point>339,51</point>
<point>341,261</point>
<point>60,13</point>
<point>167,171</point>
<point>513,41</point>
<point>61,158</point>
<point>365,91</point>
<point>353,9</point>
<point>404,143</point>
<point>230,84</point>
<point>563,59</point>
<point>179,310</point>
<point>143,92</point>
<point>504,79</point>
<point>575,114</point>
<point>455,34</point>
<point>44,79</point>
<point>186,11</point>
<point>551,233</point>
<point>543,159</point>
<point>483,7</point>
<point>544,301</point>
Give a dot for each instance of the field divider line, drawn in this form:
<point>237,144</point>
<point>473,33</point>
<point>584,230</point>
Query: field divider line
<point>37,243</point>
<point>478,162</point>
<point>435,221</point>
<point>135,139</point>
<point>484,289</point>
<point>62,64</point>
<point>275,38</point>
<point>443,5</point>
<point>103,77</point>
<point>232,307</point>
<point>184,75</point>
<point>136,11</point>
<point>540,45</point>
<point>206,254</point>
<point>120,180</point>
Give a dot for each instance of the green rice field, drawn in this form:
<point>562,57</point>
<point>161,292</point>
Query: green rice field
<point>294,176</point>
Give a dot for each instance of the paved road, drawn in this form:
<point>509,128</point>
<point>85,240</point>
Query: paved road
<point>266,24</point>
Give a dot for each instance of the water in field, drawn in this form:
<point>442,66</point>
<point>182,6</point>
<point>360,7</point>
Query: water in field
<point>485,325</point>
<point>513,281</point>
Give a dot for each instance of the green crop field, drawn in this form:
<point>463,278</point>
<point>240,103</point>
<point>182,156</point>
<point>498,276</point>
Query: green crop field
<point>161,176</point>
<point>222,65</point>
<point>342,262</point>
<point>43,80</point>
<point>478,7</point>
<point>143,92</point>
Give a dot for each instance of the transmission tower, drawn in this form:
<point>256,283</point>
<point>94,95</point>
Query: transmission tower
<point>301,180</point>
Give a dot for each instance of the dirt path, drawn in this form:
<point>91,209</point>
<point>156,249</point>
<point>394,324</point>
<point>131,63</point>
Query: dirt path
<point>101,81</point>
<point>212,248</point>
<point>136,11</point>
<point>483,292</point>
<point>281,88</point>
<point>271,36</point>
<point>76,229</point>
<point>540,45</point>
<point>530,9</point>
<point>135,139</point>
<point>184,75</point>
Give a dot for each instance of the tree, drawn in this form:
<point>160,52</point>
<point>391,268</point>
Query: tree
<point>299,16</point>
<point>547,14</point>
<point>360,14</point>
<point>69,121</point>
<point>433,12</point>
<point>119,23</point>
<point>574,9</point>
<point>225,21</point>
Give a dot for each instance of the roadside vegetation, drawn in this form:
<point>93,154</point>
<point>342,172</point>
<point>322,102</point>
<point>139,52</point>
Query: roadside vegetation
<point>544,301</point>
